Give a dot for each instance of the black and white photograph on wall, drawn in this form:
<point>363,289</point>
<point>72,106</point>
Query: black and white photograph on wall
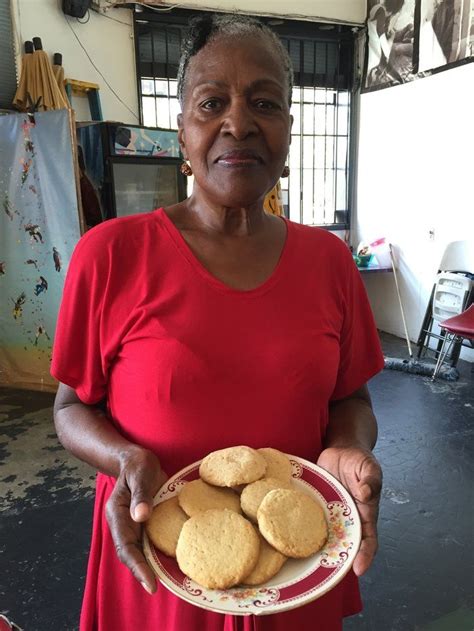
<point>446,34</point>
<point>390,29</point>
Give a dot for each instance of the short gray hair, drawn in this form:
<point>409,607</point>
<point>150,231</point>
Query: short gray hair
<point>205,28</point>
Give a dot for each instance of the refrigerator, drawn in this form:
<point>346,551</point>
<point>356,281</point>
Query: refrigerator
<point>133,169</point>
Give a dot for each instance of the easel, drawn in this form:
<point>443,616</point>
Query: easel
<point>85,88</point>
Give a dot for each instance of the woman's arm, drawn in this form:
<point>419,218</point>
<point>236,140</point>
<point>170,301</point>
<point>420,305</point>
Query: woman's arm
<point>88,434</point>
<point>352,422</point>
<point>349,440</point>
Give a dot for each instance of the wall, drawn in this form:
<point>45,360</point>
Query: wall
<point>108,42</point>
<point>415,176</point>
<point>346,11</point>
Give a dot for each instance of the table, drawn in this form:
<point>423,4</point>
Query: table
<point>371,269</point>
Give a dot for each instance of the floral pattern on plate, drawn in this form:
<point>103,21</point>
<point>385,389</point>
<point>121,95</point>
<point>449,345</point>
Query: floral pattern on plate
<point>242,597</point>
<point>339,544</point>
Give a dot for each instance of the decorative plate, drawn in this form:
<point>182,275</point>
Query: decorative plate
<point>300,580</point>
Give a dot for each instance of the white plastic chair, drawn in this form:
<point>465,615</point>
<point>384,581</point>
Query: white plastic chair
<point>458,257</point>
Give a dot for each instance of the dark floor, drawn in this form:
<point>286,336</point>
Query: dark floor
<point>422,578</point>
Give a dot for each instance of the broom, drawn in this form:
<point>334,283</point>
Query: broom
<point>413,366</point>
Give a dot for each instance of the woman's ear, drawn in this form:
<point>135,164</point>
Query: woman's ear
<point>181,141</point>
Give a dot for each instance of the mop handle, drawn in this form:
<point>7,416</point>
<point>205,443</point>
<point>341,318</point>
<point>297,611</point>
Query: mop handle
<point>400,301</point>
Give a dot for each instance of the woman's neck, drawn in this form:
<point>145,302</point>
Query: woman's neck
<point>198,212</point>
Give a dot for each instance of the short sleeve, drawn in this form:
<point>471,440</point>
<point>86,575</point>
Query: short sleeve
<point>360,352</point>
<point>78,350</point>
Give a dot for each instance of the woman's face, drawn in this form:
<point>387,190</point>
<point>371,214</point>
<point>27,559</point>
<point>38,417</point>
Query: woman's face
<point>235,125</point>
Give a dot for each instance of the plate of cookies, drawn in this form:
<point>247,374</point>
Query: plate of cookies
<point>251,531</point>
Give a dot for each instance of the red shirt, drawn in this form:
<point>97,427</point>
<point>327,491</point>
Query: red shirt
<point>190,365</point>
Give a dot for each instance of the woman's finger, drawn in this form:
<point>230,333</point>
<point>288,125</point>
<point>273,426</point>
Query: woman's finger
<point>367,490</point>
<point>365,556</point>
<point>143,487</point>
<point>126,535</point>
<point>144,478</point>
<point>130,554</point>
<point>368,512</point>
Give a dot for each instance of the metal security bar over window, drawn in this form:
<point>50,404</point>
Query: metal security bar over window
<point>318,186</point>
<point>158,50</point>
<point>317,191</point>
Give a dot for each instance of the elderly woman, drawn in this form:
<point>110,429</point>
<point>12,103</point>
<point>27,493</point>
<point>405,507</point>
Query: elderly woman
<point>210,324</point>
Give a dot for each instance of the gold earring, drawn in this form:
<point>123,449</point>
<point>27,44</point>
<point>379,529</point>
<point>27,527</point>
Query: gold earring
<point>285,172</point>
<point>185,169</point>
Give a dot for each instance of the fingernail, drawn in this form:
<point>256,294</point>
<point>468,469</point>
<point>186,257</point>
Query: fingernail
<point>141,511</point>
<point>146,588</point>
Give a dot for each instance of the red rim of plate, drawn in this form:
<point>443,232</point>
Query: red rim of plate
<point>316,580</point>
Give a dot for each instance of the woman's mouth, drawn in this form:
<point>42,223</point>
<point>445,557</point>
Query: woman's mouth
<point>239,158</point>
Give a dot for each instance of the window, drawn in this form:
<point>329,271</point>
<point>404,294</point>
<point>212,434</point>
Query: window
<point>317,191</point>
<point>158,50</point>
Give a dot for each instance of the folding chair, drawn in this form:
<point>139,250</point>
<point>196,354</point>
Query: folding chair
<point>456,329</point>
<point>452,293</point>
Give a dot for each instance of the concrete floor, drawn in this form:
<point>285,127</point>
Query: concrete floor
<point>422,578</point>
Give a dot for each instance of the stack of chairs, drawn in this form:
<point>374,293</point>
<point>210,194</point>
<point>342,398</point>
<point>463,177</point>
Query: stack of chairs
<point>452,294</point>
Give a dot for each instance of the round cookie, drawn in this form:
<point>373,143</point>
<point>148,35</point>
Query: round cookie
<point>198,496</point>
<point>165,524</point>
<point>292,522</point>
<point>278,463</point>
<point>233,466</point>
<point>253,494</point>
<point>269,563</point>
<point>217,548</point>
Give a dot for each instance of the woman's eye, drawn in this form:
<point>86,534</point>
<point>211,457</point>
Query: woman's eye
<point>210,104</point>
<point>263,104</point>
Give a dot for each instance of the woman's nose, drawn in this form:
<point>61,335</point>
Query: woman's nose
<point>239,120</point>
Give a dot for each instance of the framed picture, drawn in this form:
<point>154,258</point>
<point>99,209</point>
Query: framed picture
<point>391,37</point>
<point>446,33</point>
<point>409,39</point>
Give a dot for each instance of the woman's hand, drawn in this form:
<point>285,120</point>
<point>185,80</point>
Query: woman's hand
<point>129,505</point>
<point>358,470</point>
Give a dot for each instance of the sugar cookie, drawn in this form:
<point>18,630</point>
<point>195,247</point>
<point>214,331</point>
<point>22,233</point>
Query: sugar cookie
<point>278,463</point>
<point>233,466</point>
<point>269,563</point>
<point>217,548</point>
<point>292,522</point>
<point>253,494</point>
<point>198,496</point>
<point>165,524</point>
